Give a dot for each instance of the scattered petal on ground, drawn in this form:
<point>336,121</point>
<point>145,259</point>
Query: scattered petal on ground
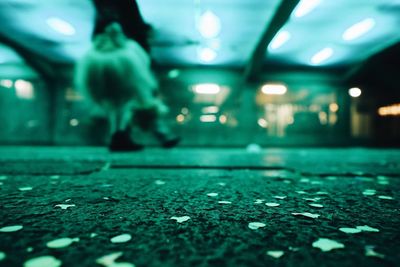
<point>259,201</point>
<point>316,182</point>
<point>26,188</point>
<point>108,259</point>
<point>367,228</point>
<point>93,235</point>
<point>11,228</point>
<point>180,219</point>
<point>306,214</point>
<point>224,202</point>
<point>2,255</point>
<point>43,261</point>
<point>256,225</point>
<point>222,184</point>
<point>68,200</point>
<point>369,192</point>
<point>326,244</point>
<point>301,192</point>
<point>121,238</point>
<point>386,197</point>
<point>275,253</point>
<point>315,199</point>
<point>272,204</point>
<point>316,205</point>
<point>280,197</point>
<point>159,182</point>
<point>65,206</point>
<point>61,242</point>
<point>55,177</point>
<point>370,252</point>
<point>304,180</point>
<point>322,193</point>
<point>348,230</point>
<point>212,194</point>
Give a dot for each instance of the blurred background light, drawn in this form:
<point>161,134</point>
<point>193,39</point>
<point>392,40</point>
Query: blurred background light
<point>274,89</point>
<point>61,26</point>
<point>355,92</point>
<point>262,123</point>
<point>392,110</point>
<point>209,25</point>
<point>206,54</point>
<point>322,56</point>
<point>280,39</point>
<point>208,118</point>
<point>172,74</point>
<point>24,89</point>
<point>210,109</point>
<point>305,7</point>
<point>207,88</point>
<point>6,83</point>
<point>358,29</point>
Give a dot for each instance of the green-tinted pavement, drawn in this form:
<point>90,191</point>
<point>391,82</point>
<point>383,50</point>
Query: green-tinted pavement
<point>138,193</point>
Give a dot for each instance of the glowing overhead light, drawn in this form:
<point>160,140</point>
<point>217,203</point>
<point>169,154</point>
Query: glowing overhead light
<point>180,118</point>
<point>223,119</point>
<point>358,29</point>
<point>355,92</point>
<point>392,110</point>
<point>280,39</point>
<point>210,109</point>
<point>305,7</point>
<point>206,54</point>
<point>6,83</point>
<point>207,88</point>
<point>208,118</point>
<point>24,89</point>
<point>322,56</point>
<point>209,25</point>
<point>274,89</point>
<point>61,26</point>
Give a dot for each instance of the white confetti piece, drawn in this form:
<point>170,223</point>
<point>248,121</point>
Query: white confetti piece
<point>65,206</point>
<point>256,225</point>
<point>224,202</point>
<point>272,204</point>
<point>326,244</point>
<point>109,260</point>
<point>316,182</point>
<point>259,201</point>
<point>369,192</point>
<point>386,197</point>
<point>315,199</point>
<point>287,181</point>
<point>304,180</point>
<point>93,235</point>
<point>43,261</point>
<point>322,193</point>
<point>159,182</point>
<point>61,242</point>
<point>367,228</point>
<point>222,184</point>
<point>370,252</point>
<point>2,255</point>
<point>121,238</point>
<point>316,205</point>
<point>11,228</point>
<point>301,192</point>
<point>306,214</point>
<point>275,253</point>
<point>180,219</point>
<point>55,177</point>
<point>280,197</point>
<point>349,230</point>
<point>212,194</point>
<point>26,188</point>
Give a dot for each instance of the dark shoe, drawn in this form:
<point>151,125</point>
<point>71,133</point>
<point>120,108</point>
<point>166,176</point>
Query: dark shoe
<point>170,143</point>
<point>122,142</point>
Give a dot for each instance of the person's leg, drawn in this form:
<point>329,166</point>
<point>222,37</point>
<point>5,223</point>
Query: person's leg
<point>121,139</point>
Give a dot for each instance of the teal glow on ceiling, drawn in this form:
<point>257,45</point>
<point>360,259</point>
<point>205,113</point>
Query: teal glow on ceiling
<point>313,36</point>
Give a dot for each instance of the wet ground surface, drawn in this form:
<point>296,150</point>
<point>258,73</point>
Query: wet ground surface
<point>199,207</point>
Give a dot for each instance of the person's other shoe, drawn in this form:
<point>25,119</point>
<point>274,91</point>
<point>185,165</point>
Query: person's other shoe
<point>122,142</point>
